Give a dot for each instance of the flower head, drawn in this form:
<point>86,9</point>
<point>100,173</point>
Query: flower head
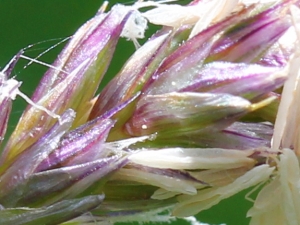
<point>188,121</point>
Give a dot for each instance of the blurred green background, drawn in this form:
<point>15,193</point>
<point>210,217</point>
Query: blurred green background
<point>23,23</point>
